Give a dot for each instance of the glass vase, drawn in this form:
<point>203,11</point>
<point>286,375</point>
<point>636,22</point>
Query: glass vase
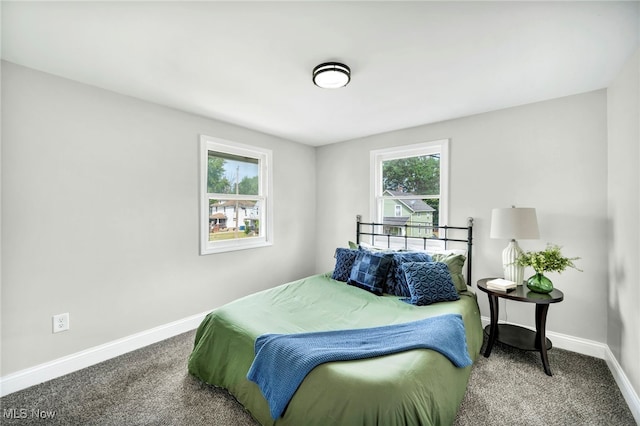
<point>539,283</point>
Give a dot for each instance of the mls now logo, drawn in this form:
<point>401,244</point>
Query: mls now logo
<point>23,413</point>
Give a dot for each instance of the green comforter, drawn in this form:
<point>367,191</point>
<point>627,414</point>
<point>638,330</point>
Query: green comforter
<point>417,387</point>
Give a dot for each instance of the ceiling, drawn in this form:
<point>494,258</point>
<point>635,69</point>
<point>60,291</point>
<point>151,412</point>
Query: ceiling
<point>250,63</point>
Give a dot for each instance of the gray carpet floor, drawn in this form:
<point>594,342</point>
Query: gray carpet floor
<point>151,386</point>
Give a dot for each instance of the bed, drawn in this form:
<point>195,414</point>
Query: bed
<point>413,387</point>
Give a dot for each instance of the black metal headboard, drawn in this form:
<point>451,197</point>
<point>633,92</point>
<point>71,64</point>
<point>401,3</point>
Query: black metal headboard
<point>441,237</point>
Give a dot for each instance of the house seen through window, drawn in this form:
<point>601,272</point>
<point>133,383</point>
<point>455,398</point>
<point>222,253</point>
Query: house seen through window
<point>410,189</point>
<point>235,198</point>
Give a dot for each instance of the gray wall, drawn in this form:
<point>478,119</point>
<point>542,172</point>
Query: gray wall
<point>549,155</point>
<point>100,217</point>
<point>623,337</point>
<point>100,210</point>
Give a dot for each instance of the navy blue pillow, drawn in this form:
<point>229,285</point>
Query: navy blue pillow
<point>344,262</point>
<point>396,281</point>
<point>429,283</point>
<point>369,271</point>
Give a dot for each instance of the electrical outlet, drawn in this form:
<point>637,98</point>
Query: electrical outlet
<point>60,322</point>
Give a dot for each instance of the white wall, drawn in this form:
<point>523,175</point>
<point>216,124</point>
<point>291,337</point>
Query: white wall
<point>623,337</point>
<point>100,217</point>
<point>549,155</point>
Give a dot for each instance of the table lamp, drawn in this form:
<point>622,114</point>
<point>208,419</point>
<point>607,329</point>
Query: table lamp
<point>514,223</point>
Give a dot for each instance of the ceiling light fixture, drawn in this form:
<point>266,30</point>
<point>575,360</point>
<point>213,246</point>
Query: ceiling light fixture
<point>331,75</point>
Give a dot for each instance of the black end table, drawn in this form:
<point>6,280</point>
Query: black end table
<point>514,335</point>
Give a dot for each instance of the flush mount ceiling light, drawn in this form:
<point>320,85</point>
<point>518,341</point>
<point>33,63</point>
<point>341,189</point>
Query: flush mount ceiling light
<point>331,75</point>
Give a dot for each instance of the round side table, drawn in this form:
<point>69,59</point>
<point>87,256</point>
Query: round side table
<point>514,335</point>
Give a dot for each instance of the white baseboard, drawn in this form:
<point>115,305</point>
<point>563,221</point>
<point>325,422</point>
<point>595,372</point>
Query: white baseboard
<point>597,350</point>
<point>59,367</point>
<point>630,395</point>
<point>566,342</point>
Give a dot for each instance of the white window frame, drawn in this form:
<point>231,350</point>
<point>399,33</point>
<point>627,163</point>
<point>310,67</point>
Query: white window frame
<point>265,190</point>
<point>426,148</point>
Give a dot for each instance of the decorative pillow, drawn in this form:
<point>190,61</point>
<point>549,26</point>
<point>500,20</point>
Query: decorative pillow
<point>455,262</point>
<point>374,249</point>
<point>396,281</point>
<point>429,283</point>
<point>344,262</point>
<point>369,271</point>
<point>448,251</point>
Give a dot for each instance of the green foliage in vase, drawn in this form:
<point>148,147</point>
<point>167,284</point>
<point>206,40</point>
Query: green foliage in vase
<point>548,260</point>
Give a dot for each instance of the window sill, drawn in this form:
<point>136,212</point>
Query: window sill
<point>235,246</point>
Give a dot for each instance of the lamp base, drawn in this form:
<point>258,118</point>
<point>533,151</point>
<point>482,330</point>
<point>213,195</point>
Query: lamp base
<point>512,272</point>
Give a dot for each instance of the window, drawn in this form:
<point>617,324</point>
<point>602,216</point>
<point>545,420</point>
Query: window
<point>409,188</point>
<point>235,210</point>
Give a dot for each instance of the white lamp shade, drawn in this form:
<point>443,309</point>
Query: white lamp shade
<point>514,223</point>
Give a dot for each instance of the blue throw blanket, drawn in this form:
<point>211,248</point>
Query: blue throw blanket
<point>282,361</point>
